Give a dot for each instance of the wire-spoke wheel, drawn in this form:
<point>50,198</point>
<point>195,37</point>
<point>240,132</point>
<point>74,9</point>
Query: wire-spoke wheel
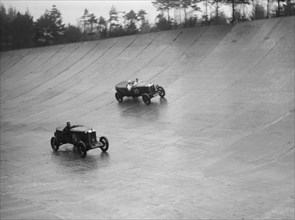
<point>105,143</point>
<point>161,91</point>
<point>146,99</point>
<point>54,144</point>
<point>82,149</point>
<point>119,97</point>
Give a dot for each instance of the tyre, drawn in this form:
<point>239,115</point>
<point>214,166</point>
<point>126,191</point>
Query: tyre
<point>105,143</point>
<point>119,97</point>
<point>82,149</point>
<point>54,144</point>
<point>161,91</point>
<point>146,99</point>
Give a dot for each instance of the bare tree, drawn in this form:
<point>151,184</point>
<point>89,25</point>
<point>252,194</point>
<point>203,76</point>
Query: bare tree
<point>131,18</point>
<point>233,5</point>
<point>164,6</point>
<point>84,19</point>
<point>92,22</point>
<point>102,27</point>
<point>144,24</point>
<point>113,20</point>
<point>268,9</point>
<point>258,11</point>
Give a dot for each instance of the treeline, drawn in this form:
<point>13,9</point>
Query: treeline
<point>21,31</point>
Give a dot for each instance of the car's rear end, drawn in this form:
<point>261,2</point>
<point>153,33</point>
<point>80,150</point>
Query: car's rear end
<point>59,134</point>
<point>121,88</point>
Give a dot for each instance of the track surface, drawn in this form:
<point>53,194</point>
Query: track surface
<point>220,146</point>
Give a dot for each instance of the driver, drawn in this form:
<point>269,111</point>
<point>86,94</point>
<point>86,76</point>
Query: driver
<point>129,85</point>
<point>67,128</point>
<point>136,81</point>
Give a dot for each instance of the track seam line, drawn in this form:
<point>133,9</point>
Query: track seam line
<point>40,85</point>
<point>196,40</point>
<point>77,73</point>
<point>81,71</point>
<point>249,71</point>
<point>22,57</point>
<point>37,55</point>
<point>154,58</point>
<point>126,47</point>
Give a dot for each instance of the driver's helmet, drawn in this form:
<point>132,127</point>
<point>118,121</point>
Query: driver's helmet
<point>68,124</point>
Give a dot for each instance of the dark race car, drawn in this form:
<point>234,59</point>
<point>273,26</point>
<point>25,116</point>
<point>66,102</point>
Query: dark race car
<point>82,137</point>
<point>132,89</point>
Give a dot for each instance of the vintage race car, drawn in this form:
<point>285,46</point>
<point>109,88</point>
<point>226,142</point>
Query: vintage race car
<point>82,137</point>
<point>147,91</point>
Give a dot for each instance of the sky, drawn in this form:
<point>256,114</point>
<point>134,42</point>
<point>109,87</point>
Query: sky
<point>71,10</point>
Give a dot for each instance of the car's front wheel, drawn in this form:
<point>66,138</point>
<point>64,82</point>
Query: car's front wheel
<point>54,144</point>
<point>119,97</point>
<point>82,149</point>
<point>161,91</point>
<point>105,143</point>
<point>146,99</point>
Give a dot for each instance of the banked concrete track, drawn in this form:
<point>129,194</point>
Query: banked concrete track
<point>220,146</point>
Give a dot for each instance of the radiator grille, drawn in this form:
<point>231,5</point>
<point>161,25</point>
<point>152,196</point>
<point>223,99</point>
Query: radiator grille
<point>152,88</point>
<point>92,137</point>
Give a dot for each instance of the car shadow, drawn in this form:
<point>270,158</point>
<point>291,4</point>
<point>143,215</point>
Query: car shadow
<point>127,101</point>
<point>138,109</point>
<point>68,158</point>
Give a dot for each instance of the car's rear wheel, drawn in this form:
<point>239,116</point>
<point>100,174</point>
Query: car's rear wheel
<point>105,143</point>
<point>119,97</point>
<point>146,99</point>
<point>54,144</point>
<point>161,91</point>
<point>82,149</point>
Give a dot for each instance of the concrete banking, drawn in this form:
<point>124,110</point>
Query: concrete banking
<point>220,146</point>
